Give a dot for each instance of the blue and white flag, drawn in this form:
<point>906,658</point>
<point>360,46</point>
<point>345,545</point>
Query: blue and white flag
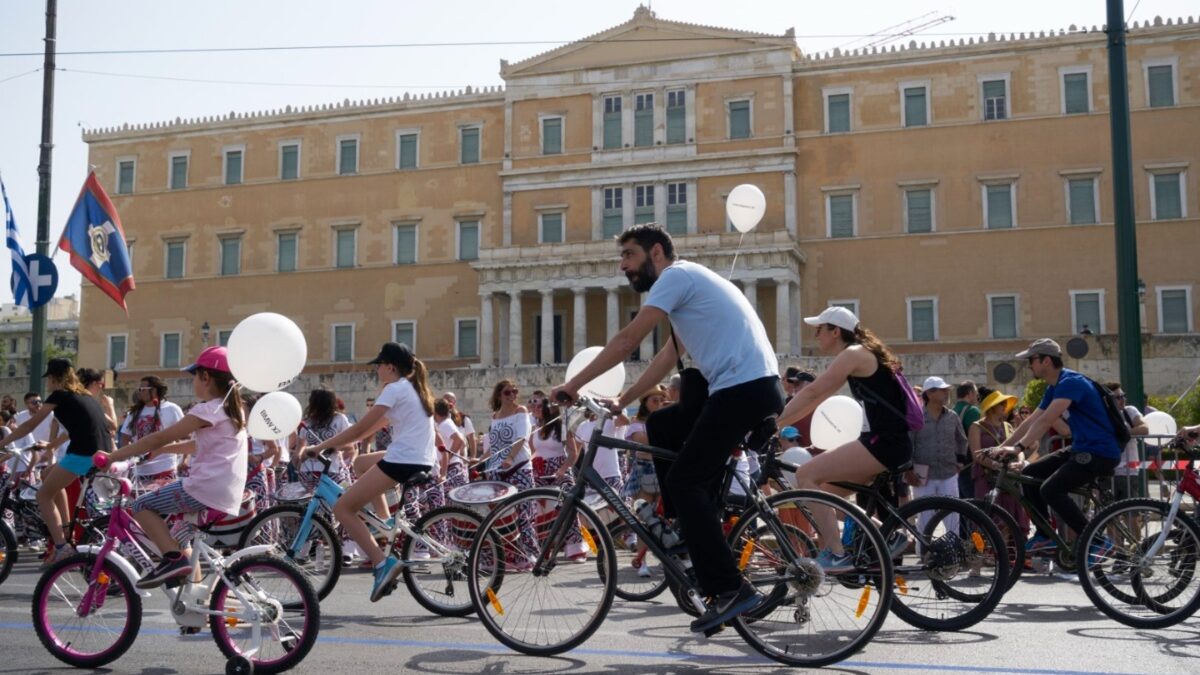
<point>19,281</point>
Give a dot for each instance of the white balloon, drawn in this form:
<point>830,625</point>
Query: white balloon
<point>607,384</point>
<point>837,421</point>
<point>796,456</point>
<point>745,207</point>
<point>274,417</point>
<point>1160,424</point>
<point>266,351</point>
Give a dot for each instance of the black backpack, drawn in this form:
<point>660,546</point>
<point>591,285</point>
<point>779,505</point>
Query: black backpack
<point>1114,412</point>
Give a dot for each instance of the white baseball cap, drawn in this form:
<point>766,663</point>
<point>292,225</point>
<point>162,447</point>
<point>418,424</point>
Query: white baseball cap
<point>837,316</point>
<point>934,382</point>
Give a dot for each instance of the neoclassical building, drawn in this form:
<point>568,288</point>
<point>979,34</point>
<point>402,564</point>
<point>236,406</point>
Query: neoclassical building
<point>956,195</point>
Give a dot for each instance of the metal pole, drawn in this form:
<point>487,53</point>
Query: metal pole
<point>1128,322</point>
<point>37,356</point>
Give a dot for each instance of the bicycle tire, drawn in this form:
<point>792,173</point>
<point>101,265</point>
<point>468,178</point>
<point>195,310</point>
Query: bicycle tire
<point>871,569</point>
<point>632,588</point>
<point>596,597</point>
<point>323,575</point>
<point>459,519</point>
<point>67,650</point>
<point>1098,583</point>
<point>245,570</point>
<point>1014,537</point>
<point>8,555</point>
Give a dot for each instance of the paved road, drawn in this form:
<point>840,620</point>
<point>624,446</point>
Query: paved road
<point>1045,625</point>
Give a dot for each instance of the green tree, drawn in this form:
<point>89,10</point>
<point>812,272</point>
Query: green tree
<point>53,351</point>
<point>1186,411</point>
<point>1034,391</point>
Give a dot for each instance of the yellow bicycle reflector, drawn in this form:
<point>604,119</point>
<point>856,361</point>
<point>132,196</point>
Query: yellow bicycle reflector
<point>977,539</point>
<point>902,585</point>
<point>102,578</point>
<point>231,621</point>
<point>747,551</point>
<point>862,602</point>
<point>496,601</point>
<point>591,543</point>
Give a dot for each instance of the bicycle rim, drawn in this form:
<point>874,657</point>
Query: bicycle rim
<point>639,572</point>
<point>101,636</point>
<point>319,557</point>
<point>439,583</point>
<point>269,583</point>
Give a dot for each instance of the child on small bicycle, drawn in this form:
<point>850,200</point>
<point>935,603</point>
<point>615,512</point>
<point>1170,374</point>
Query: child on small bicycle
<point>218,465</point>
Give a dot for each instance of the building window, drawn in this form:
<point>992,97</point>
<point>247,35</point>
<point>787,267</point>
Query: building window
<point>1167,196</point>
<point>408,145</point>
<point>1175,309</point>
<point>1087,311</point>
<point>550,230</point>
<point>343,342</point>
<point>466,338</point>
<point>231,256</point>
<point>406,244</point>
<point>643,204</point>
<point>851,305</point>
<point>289,160</point>
<point>170,350</point>
<point>612,122</point>
<point>345,241</point>
<point>643,120</point>
<point>285,251</point>
<point>999,206</point>
<point>741,124</point>
<point>922,320</point>
<point>223,337</point>
<point>916,106</point>
<point>468,138</point>
<point>116,351</point>
<point>837,110</point>
<point>233,165</point>
<point>918,210</point>
<point>676,116</point>
<point>613,219</point>
<point>995,99</point>
<point>1081,200</point>
<point>176,257</point>
<point>1002,316</point>
<point>677,208</point>
<point>840,215</point>
<point>347,156</point>
<point>179,171</point>
<point>1160,84</point>
<point>468,240</point>
<point>552,135</point>
<point>1076,92</point>
<point>125,174</point>
<point>405,333</point>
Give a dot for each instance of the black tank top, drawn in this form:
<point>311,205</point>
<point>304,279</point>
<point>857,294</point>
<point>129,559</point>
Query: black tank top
<point>881,385</point>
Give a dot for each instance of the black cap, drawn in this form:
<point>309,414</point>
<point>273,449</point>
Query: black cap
<point>396,354</point>
<point>796,375</point>
<point>57,368</point>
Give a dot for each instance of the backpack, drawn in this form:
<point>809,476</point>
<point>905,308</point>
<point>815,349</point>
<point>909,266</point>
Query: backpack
<point>913,413</point>
<point>1114,412</point>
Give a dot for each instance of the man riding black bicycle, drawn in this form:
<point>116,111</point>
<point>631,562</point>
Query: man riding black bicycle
<point>713,321</point>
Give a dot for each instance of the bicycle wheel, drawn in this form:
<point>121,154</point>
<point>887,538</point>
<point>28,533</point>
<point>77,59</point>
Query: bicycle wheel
<point>319,556</point>
<point>439,584</point>
<point>8,554</point>
<point>639,572</point>
<point>106,632</point>
<point>958,568</point>
<point>548,611</point>
<point>1014,537</point>
<point>1128,585</point>
<point>270,583</point>
<point>812,616</point>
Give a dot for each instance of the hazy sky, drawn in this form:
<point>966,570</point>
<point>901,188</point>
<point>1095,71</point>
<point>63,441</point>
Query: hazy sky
<point>306,77</point>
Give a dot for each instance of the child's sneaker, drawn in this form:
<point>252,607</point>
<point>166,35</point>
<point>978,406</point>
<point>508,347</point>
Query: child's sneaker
<point>385,578</point>
<point>1040,544</point>
<point>171,567</point>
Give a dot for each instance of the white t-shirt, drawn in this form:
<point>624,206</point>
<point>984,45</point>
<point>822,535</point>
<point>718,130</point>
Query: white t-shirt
<point>606,463</point>
<point>144,426</point>
<point>412,428</point>
<point>40,434</point>
<point>1129,457</point>
<point>446,430</point>
<point>314,434</point>
<point>504,434</point>
<point>549,447</point>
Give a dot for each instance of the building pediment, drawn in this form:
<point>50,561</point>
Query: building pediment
<point>646,39</point>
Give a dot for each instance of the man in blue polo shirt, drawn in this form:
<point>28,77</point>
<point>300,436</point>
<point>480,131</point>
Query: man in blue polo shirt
<point>1094,449</point>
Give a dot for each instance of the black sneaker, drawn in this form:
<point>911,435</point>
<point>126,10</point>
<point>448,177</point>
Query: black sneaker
<point>169,568</point>
<point>726,606</point>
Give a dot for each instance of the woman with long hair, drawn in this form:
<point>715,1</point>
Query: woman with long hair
<point>509,461</point>
<point>643,482</point>
<point>151,412</point>
<point>321,422</point>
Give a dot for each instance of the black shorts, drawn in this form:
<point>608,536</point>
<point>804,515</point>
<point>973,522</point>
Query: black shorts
<point>401,472</point>
<point>892,450</point>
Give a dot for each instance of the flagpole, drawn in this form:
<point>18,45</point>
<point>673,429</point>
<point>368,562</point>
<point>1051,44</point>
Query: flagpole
<point>38,348</point>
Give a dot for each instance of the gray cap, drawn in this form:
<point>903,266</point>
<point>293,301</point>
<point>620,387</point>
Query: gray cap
<point>1041,347</point>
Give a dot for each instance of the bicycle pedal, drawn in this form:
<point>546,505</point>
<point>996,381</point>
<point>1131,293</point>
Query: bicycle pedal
<point>189,630</point>
<point>173,583</point>
<point>714,630</point>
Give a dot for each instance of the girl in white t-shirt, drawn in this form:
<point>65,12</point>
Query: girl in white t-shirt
<point>322,421</point>
<point>607,463</point>
<point>407,405</point>
<point>453,450</point>
<point>150,413</point>
<point>553,464</point>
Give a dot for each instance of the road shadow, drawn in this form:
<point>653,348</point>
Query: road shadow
<point>1020,612</point>
<point>464,661</point>
<point>1176,641</point>
<point>917,638</point>
<point>426,621</point>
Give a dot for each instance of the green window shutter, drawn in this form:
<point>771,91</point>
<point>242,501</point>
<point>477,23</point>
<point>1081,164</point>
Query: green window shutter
<point>739,119</point>
<point>468,339</point>
<point>345,248</point>
<point>552,136</point>
<point>406,333</point>
<point>1167,200</point>
<point>552,228</point>
<point>643,121</point>
<point>175,260</point>
<point>406,244</point>
<point>1087,312</point>
<point>1162,86</point>
<point>1083,201</point>
<point>1174,311</point>
<point>179,167</point>
<point>170,346</point>
<point>999,207</point>
<point>914,107</point>
<point>233,167</point>
<point>116,352</point>
<point>995,95</point>
<point>923,321</point>
<point>287,252</point>
<point>468,240</point>
<point>343,343</point>
<point>470,146</point>
<point>841,216</point>
<point>676,117</point>
<point>839,113</point>
<point>125,179</point>
<point>1075,93</point>
<point>231,254</point>
<point>348,157</point>
<point>612,122</point>
<point>408,151</point>
<point>920,212</point>
<point>1004,317</point>
<point>289,160</point>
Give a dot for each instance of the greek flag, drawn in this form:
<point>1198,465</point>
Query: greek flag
<point>20,272</point>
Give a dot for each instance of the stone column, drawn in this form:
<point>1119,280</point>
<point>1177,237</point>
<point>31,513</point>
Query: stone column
<point>647,346</point>
<point>783,318</point>
<point>515,353</point>
<point>750,288</point>
<point>613,313</point>
<point>486,339</point>
<point>580,320</point>
<point>547,325</point>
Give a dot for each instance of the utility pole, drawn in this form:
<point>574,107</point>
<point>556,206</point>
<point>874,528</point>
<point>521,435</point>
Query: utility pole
<point>1129,333</point>
<point>37,360</point>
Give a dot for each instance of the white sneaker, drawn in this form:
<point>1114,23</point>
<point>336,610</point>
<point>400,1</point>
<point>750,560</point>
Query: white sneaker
<point>644,570</point>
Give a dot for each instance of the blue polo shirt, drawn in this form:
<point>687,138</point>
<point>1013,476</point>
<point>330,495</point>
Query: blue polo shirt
<point>1090,428</point>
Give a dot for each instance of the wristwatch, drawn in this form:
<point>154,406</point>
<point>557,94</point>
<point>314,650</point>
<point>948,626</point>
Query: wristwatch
<point>1020,446</point>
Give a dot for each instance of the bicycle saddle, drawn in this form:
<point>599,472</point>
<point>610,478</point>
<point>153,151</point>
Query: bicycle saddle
<point>761,433</point>
<point>418,478</point>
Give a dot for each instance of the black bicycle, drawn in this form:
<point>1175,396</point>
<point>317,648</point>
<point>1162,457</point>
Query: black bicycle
<point>549,604</point>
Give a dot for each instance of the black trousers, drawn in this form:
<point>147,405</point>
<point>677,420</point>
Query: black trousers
<point>691,489</point>
<point>1063,471</point>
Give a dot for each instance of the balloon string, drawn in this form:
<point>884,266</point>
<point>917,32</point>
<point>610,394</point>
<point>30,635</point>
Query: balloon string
<point>735,255</point>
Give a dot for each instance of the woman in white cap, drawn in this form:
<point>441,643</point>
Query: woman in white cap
<point>864,362</point>
<point>939,451</point>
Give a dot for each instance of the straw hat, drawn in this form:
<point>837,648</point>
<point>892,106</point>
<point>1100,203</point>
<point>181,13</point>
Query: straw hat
<point>996,398</point>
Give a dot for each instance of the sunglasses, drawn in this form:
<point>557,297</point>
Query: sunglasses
<point>36,401</point>
<point>511,392</point>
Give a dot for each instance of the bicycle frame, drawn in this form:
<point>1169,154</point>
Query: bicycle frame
<point>1010,483</point>
<point>1188,485</point>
